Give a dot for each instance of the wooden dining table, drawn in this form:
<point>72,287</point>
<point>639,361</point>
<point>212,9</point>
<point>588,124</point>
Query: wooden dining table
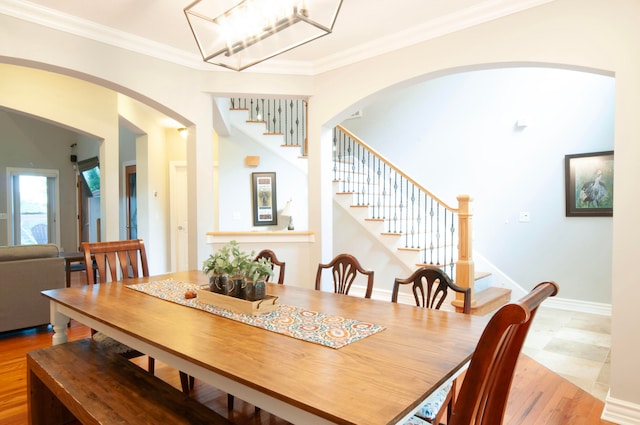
<point>380,379</point>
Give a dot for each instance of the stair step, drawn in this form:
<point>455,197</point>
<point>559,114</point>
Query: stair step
<point>237,119</point>
<point>481,275</point>
<point>489,300</point>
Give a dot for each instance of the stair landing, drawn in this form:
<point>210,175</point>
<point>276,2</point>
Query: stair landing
<point>488,300</point>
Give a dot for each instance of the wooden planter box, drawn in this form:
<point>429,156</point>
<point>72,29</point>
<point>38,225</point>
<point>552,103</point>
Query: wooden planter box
<point>254,308</point>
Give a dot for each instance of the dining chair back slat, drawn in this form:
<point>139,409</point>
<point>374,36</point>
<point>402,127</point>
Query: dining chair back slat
<point>430,287</point>
<point>116,259</point>
<point>344,269</point>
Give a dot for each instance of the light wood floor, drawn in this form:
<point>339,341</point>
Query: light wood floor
<point>538,396</point>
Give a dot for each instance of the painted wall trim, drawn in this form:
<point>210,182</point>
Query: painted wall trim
<point>620,411</point>
<point>261,237</point>
<point>579,306</point>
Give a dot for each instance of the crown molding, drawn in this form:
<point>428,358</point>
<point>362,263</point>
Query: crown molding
<point>484,12</point>
<point>53,19</point>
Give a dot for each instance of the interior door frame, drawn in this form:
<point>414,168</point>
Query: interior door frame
<point>129,168</point>
<point>83,208</point>
<point>173,214</point>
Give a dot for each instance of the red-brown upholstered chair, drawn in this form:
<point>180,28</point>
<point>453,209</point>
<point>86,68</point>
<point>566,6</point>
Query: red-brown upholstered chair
<point>430,286</point>
<point>485,388</point>
<point>267,253</point>
<point>344,269</point>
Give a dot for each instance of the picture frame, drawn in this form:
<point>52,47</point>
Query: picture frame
<point>589,184</point>
<point>265,208</point>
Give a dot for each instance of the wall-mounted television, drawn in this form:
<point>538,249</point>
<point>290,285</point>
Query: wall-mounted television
<point>90,172</point>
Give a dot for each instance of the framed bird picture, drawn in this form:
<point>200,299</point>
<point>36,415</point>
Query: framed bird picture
<point>589,184</point>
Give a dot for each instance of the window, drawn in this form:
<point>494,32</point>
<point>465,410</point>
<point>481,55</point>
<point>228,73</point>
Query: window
<point>33,205</point>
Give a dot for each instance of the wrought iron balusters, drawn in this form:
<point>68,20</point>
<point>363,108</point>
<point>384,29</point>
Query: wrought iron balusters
<point>423,222</point>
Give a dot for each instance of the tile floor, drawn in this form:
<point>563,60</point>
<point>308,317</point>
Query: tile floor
<point>575,345</point>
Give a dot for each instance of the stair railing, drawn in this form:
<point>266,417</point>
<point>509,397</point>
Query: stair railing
<point>440,232</point>
<point>285,117</point>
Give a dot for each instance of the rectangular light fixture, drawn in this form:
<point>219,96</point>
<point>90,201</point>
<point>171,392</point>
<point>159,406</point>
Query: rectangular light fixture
<point>238,34</point>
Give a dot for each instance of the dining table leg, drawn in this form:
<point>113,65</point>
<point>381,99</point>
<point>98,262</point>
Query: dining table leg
<point>60,323</point>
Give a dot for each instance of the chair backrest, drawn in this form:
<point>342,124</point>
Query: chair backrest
<point>485,388</point>
<point>128,256</point>
<point>267,253</point>
<point>345,268</point>
<point>430,288</point>
<point>39,232</point>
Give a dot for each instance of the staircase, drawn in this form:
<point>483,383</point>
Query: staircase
<point>273,142</point>
<point>414,225</point>
<point>280,117</point>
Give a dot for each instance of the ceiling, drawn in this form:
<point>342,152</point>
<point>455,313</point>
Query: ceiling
<point>364,28</point>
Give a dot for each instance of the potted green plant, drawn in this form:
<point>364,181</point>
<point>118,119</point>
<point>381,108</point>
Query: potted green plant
<point>234,272</point>
<point>256,274</point>
<point>219,267</point>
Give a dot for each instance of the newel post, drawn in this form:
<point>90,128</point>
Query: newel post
<point>465,273</point>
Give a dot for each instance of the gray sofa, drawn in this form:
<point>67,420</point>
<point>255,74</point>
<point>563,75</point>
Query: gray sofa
<point>26,270</point>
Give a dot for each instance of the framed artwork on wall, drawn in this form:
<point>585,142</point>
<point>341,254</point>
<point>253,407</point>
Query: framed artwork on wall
<point>265,208</point>
<point>589,184</point>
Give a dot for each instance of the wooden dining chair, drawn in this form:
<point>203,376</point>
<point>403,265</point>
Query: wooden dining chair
<point>430,287</point>
<point>267,253</point>
<point>113,261</point>
<point>485,388</point>
<point>344,269</point>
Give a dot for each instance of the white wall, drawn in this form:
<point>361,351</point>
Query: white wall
<point>460,130</point>
<point>351,237</point>
<point>150,148</point>
<point>234,184</point>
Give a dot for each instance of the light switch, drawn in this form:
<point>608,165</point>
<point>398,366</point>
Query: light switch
<point>524,217</point>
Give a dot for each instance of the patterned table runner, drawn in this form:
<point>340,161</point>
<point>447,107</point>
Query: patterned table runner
<point>311,326</point>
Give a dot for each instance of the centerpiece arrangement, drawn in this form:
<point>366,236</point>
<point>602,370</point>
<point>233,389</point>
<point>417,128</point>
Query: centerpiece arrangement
<point>235,274</point>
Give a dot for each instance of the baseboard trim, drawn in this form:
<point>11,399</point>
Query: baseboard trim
<point>601,309</point>
<point>620,411</point>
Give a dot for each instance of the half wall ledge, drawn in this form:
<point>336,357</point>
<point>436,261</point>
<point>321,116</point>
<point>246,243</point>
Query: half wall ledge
<point>292,247</point>
<point>284,236</point>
